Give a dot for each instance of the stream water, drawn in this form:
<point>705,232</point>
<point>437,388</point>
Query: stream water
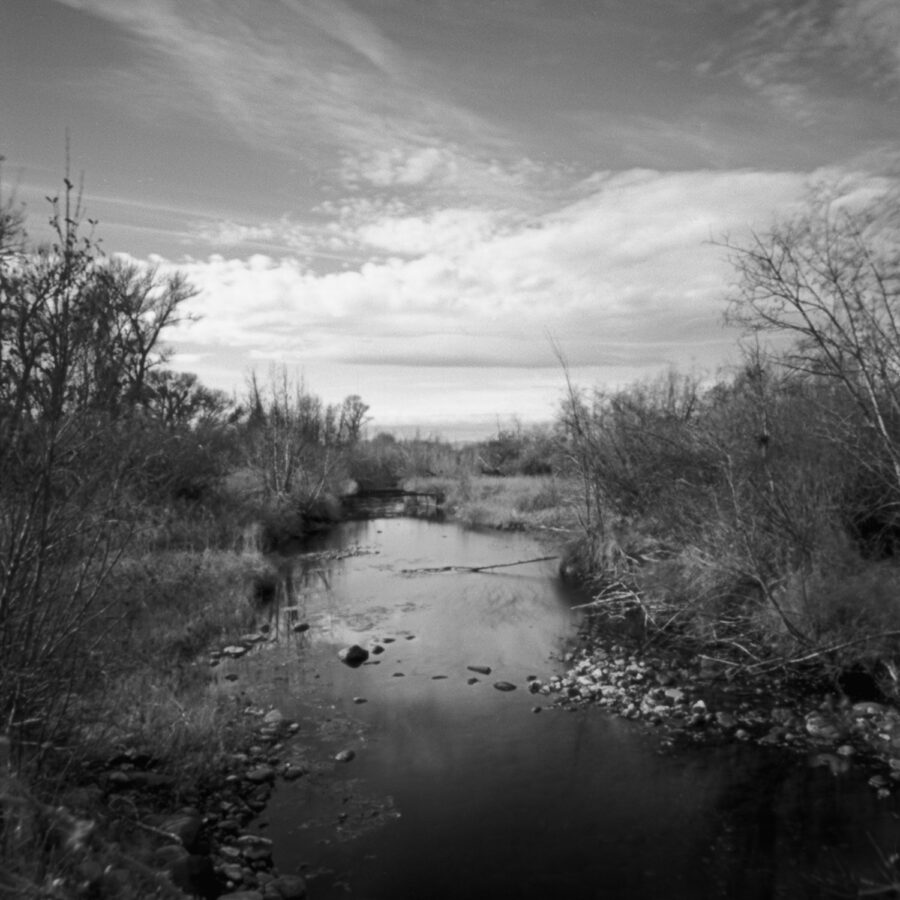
<point>458,789</point>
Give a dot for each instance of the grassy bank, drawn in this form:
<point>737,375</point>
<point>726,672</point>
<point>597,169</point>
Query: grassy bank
<point>517,502</point>
<point>143,696</point>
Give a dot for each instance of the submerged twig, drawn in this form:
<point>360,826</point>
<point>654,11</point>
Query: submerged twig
<point>520,562</point>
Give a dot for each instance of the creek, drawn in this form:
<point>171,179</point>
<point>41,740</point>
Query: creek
<point>458,789</point>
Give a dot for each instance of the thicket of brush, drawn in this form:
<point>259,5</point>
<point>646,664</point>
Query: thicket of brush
<point>760,514</point>
<point>135,508</point>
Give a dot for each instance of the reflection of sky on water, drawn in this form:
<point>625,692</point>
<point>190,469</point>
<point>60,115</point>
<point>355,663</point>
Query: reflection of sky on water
<point>494,800</point>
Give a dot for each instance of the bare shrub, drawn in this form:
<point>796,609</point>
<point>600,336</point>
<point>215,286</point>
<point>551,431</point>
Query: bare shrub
<point>77,339</point>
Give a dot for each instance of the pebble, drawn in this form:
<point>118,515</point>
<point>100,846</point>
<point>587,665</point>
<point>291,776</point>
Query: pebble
<point>233,872</point>
<point>345,756</point>
<point>353,655</point>
<point>481,670</point>
<point>504,686</point>
<point>261,774</point>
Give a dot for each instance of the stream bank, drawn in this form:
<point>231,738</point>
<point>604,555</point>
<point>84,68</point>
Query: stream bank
<point>420,772</point>
<point>697,699</point>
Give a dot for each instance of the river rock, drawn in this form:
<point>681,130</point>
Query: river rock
<point>233,872</point>
<point>504,686</point>
<point>254,840</point>
<point>261,774</point>
<point>300,627</point>
<point>254,638</point>
<point>274,717</point>
<point>472,680</point>
<point>481,670</point>
<point>377,649</point>
<point>257,854</point>
<point>823,728</point>
<point>234,651</point>
<point>344,756</point>
<point>353,655</point>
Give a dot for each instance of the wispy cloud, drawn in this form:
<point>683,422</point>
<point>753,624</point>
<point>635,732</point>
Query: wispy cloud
<point>299,77</point>
<point>805,56</point>
<point>870,31</point>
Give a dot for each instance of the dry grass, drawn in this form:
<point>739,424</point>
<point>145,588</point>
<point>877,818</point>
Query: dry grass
<point>149,694</point>
<point>516,502</point>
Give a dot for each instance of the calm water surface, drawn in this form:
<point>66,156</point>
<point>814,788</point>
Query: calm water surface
<point>461,790</point>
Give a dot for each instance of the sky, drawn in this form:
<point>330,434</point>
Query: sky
<point>416,200</point>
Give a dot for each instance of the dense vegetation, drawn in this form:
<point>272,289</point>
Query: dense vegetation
<point>760,512</point>
<point>135,504</point>
<point>757,513</point>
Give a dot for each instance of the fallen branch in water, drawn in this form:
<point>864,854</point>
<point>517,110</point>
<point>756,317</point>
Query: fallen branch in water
<point>520,562</point>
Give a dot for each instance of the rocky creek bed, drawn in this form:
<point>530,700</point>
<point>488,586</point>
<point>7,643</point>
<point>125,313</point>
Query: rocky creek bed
<point>693,698</point>
<point>209,848</point>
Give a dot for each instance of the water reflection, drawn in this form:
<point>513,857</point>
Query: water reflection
<point>458,789</point>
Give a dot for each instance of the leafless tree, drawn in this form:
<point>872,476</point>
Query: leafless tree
<point>78,336</point>
<point>828,281</point>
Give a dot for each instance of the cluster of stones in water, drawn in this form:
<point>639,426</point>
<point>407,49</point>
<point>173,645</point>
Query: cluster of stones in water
<point>210,852</point>
<point>354,656</point>
<point>657,692</point>
<point>247,642</point>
